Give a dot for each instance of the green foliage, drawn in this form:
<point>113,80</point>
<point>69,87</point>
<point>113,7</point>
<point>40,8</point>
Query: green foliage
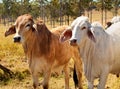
<point>105,4</point>
<point>5,78</point>
<point>53,8</point>
<point>21,75</point>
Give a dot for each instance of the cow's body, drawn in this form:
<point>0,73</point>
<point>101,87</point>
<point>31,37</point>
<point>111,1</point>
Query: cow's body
<point>99,49</point>
<point>43,50</point>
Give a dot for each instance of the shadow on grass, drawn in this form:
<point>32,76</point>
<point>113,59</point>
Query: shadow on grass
<point>5,77</point>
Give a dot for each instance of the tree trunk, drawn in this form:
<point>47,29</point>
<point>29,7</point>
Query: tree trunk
<point>88,13</point>
<point>68,19</point>
<point>102,12</point>
<point>105,16</point>
<point>4,21</point>
<point>116,7</point>
<point>91,15</point>
<point>54,22</point>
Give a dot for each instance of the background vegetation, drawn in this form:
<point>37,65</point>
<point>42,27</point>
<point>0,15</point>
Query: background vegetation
<point>57,10</point>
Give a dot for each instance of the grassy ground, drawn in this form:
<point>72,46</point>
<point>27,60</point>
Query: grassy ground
<point>12,57</point>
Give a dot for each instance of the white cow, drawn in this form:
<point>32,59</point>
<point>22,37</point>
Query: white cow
<point>115,19</point>
<point>99,49</point>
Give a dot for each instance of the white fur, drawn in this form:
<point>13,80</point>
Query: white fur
<point>115,19</point>
<point>101,57</point>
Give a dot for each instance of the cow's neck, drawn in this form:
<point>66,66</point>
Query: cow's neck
<point>86,51</point>
<point>37,44</point>
<point>89,50</point>
<point>29,43</point>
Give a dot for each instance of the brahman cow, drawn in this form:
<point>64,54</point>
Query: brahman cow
<point>115,19</point>
<point>99,49</point>
<point>43,50</point>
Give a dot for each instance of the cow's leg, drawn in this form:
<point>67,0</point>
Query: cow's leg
<point>66,71</point>
<point>47,75</point>
<point>90,84</point>
<point>35,80</point>
<point>34,73</point>
<point>78,68</point>
<point>103,79</point>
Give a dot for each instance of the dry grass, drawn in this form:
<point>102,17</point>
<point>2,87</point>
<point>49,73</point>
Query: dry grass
<point>12,57</point>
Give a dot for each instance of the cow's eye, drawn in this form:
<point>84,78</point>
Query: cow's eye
<point>28,25</point>
<point>83,28</point>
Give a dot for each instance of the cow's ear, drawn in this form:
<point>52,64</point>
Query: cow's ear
<point>91,35</point>
<point>35,27</point>
<point>108,24</point>
<point>65,35</point>
<point>10,31</point>
<point>38,24</point>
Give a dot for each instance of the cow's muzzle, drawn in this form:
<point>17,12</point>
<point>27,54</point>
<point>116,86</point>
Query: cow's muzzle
<point>17,39</point>
<point>73,42</point>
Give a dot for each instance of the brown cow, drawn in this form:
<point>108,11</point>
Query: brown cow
<point>43,50</point>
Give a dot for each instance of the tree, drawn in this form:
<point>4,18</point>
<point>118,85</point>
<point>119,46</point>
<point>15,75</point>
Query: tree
<point>107,7</point>
<point>104,5</point>
<point>67,10</point>
<point>116,4</point>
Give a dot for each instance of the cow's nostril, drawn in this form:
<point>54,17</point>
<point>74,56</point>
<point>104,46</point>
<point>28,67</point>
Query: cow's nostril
<point>73,42</point>
<point>17,39</point>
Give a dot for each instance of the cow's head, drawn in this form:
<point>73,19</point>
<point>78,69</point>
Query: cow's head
<point>24,24</point>
<point>80,30</point>
<point>115,19</point>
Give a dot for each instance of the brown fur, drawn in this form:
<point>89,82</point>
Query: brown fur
<point>44,51</point>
